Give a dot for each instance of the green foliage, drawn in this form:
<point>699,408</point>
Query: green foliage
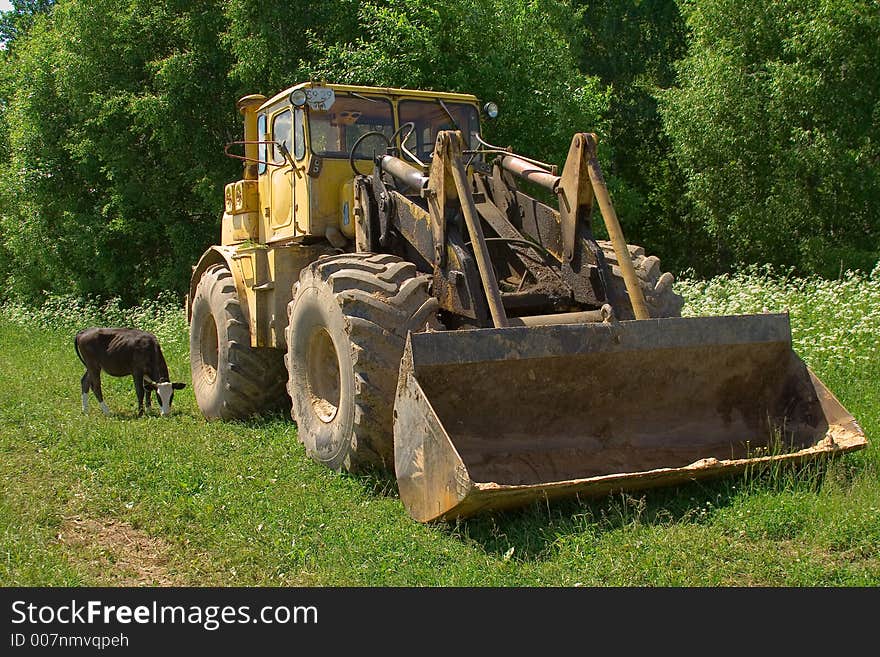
<point>632,47</point>
<point>834,323</point>
<point>516,54</point>
<point>274,44</point>
<point>775,124</point>
<point>114,114</point>
<point>115,127</point>
<point>68,313</point>
<point>15,22</point>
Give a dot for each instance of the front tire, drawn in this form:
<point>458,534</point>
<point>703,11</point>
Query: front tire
<point>231,379</point>
<point>347,329</point>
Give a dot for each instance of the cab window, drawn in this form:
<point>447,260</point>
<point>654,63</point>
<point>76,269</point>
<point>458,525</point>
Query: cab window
<point>299,135</point>
<point>333,133</point>
<point>261,147</point>
<point>430,117</point>
<point>281,135</point>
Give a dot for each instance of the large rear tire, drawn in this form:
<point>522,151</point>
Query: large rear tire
<point>231,379</point>
<point>660,297</point>
<point>347,329</point>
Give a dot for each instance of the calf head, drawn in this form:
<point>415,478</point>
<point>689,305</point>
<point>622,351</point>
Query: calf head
<point>164,391</point>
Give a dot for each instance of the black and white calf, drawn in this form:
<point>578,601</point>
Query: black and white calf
<point>120,352</point>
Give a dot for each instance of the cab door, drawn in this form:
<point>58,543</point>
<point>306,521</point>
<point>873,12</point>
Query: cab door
<point>281,187</point>
<point>300,179</point>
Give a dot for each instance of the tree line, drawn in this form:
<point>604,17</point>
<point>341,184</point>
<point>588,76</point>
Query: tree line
<point>731,133</point>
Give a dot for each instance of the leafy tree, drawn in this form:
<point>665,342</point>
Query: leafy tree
<point>115,165</point>
<point>16,21</point>
<point>776,124</point>
<point>516,54</point>
<point>274,43</point>
<point>118,111</point>
<point>632,46</point>
<point>114,113</point>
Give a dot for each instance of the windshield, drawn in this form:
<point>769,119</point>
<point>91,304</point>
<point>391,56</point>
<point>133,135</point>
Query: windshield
<point>430,118</point>
<point>333,133</point>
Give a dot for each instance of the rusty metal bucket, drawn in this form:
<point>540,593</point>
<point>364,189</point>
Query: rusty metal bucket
<point>496,418</point>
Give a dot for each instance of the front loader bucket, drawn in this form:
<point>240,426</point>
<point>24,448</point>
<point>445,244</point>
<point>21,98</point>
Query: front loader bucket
<point>495,418</point>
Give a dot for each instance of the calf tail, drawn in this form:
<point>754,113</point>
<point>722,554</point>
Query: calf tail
<point>76,348</point>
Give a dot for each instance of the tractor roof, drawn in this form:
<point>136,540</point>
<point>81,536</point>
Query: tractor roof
<point>384,91</point>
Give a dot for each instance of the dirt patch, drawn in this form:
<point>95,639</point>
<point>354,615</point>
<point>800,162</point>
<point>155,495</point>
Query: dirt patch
<point>116,553</point>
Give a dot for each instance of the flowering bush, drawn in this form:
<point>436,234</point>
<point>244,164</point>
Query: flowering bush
<point>163,316</point>
<point>832,321</point>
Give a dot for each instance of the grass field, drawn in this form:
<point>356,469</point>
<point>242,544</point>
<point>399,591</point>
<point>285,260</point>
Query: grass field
<point>179,501</point>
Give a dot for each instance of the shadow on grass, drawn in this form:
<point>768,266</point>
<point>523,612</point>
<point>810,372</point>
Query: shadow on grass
<point>252,423</point>
<point>262,421</point>
<point>527,534</point>
<point>530,533</point>
<point>379,483</point>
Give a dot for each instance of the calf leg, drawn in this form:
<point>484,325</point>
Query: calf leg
<point>85,385</point>
<point>95,377</point>
<point>139,389</point>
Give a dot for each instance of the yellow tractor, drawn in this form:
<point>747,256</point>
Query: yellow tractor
<point>385,275</point>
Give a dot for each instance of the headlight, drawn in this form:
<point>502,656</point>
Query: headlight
<point>298,97</point>
<point>491,110</point>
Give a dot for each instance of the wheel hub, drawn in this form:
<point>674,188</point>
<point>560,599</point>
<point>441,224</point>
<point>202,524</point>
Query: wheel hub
<point>209,351</point>
<point>323,376</point>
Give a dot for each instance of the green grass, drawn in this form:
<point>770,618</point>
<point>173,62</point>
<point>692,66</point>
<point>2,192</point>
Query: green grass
<point>240,504</point>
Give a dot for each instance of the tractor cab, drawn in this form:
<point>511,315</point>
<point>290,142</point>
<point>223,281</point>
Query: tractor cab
<point>305,143</point>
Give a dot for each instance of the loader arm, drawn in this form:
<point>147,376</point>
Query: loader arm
<point>582,181</point>
<point>450,145</point>
<point>443,215</point>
